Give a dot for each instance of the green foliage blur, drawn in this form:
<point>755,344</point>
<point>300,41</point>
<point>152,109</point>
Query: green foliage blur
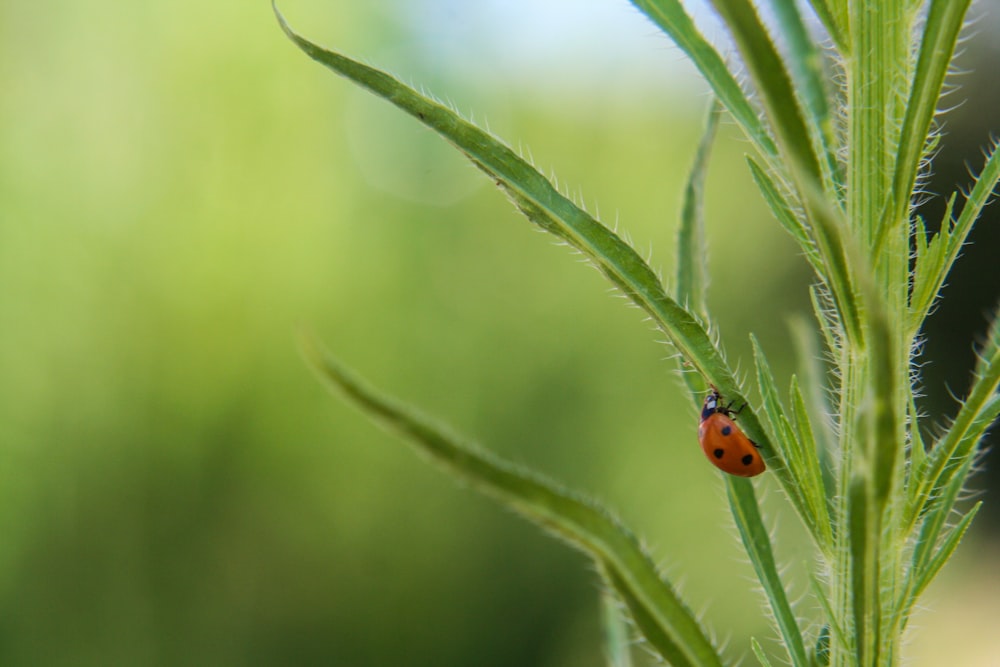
<point>181,191</point>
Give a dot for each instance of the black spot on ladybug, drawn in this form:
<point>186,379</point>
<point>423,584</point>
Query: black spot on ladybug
<point>747,459</point>
<point>727,429</point>
<point>718,453</point>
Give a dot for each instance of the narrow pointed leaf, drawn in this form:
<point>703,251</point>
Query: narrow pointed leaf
<point>834,22</point>
<point>743,504</point>
<point>933,524</point>
<point>919,578</point>
<point>537,199</point>
<point>826,318</point>
<point>929,269</point>
<point>944,249</point>
<point>810,473</point>
<point>960,441</point>
<point>759,653</point>
<point>671,627</point>
<point>918,452</point>
<point>692,251</point>
<point>786,462</point>
<point>937,47</point>
<point>617,646</point>
<point>843,262</point>
<point>813,374</point>
<point>773,83</point>
<point>805,63</point>
<point>784,213</point>
<point>673,19</point>
<point>948,546</point>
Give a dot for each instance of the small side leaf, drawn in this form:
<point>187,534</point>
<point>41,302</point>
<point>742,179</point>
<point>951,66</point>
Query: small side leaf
<point>743,504</point>
<point>759,653</point>
<point>813,375</point>
<point>927,542</point>
<point>937,47</point>
<point>826,318</point>
<point>790,470</point>
<point>929,268</point>
<point>948,546</point>
<point>692,251</point>
<point>617,647</point>
<point>814,487</point>
<point>786,215</point>
<point>943,250</point>
<point>669,625</point>
<point>835,22</point>
<point>918,452</point>
<point>918,579</point>
<point>960,442</point>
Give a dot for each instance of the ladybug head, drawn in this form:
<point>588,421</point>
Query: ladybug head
<point>711,405</point>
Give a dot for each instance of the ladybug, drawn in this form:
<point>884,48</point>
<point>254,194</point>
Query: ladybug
<point>724,443</point>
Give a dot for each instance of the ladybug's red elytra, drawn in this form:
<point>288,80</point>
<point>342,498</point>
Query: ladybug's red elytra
<point>724,443</point>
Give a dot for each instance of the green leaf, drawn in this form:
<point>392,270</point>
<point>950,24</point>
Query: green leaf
<point>759,653</point>
<point>926,566</point>
<point>980,408</point>
<point>826,317</point>
<point>537,199</point>
<point>771,79</point>
<point>843,265</point>
<point>671,17</point>
<point>805,62</point>
<point>934,522</point>
<point>937,47</point>
<point>929,268</point>
<point>786,215</point>
<point>813,373</point>
<point>669,625</point>
<point>935,262</point>
<point>948,546</point>
<point>692,251</point>
<point>807,468</point>
<point>835,22</point>
<point>743,504</point>
<point>617,646</point>
<point>787,463</point>
<point>918,452</point>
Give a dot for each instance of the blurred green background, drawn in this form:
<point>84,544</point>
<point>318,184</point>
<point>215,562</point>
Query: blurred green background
<point>181,191</point>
